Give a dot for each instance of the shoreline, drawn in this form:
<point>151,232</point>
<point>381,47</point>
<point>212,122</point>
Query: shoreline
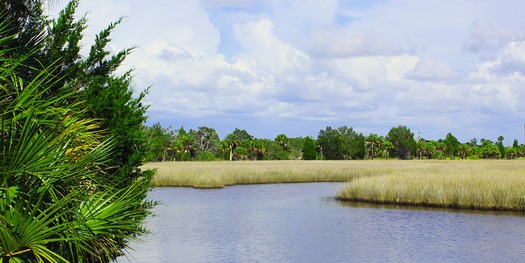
<point>494,185</point>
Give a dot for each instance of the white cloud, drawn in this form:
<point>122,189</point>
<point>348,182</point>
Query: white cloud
<point>265,53</point>
<point>430,70</point>
<point>484,37</point>
<point>499,83</point>
<point>510,60</point>
<point>425,64</point>
<point>336,42</point>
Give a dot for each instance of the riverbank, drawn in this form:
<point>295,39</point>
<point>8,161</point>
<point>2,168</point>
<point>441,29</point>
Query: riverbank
<point>479,184</point>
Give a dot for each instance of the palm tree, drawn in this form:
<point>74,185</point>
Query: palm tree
<point>440,146</point>
<point>373,141</point>
<point>232,142</point>
<point>421,146</point>
<point>464,149</point>
<point>387,148</point>
<point>282,140</point>
<point>57,204</point>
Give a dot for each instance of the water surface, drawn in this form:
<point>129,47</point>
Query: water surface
<point>303,223</point>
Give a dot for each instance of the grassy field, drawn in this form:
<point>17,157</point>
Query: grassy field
<point>496,185</point>
<point>224,173</point>
<point>493,185</point>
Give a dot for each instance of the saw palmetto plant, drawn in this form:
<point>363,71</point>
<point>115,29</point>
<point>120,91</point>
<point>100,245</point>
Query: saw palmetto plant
<point>57,204</point>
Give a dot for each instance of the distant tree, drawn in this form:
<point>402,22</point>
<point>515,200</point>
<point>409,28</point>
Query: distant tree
<point>206,141</point>
<point>238,138</point>
<point>473,142</point>
<point>421,147</point>
<point>464,148</point>
<point>257,149</point>
<point>515,144</point>
<point>309,152</point>
<point>184,145</point>
<point>341,143</point>
<point>231,142</point>
<point>500,146</point>
<point>387,148</point>
<point>451,144</point>
<point>241,153</point>
<point>281,150</point>
<point>329,142</point>
<point>373,143</point>
<point>429,148</point>
<point>440,146</point>
<point>160,142</point>
<point>482,141</point>
<point>403,141</point>
<point>489,150</point>
<point>352,145</point>
<point>282,140</point>
<point>511,152</point>
<point>295,148</point>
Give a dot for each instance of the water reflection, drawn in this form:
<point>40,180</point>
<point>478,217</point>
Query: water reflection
<point>303,223</point>
<point>358,204</point>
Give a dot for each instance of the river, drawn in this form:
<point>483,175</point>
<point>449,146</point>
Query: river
<point>304,223</point>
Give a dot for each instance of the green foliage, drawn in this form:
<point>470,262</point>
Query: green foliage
<point>309,152</point>
<point>374,144</point>
<point>473,157</point>
<point>160,142</point>
<point>281,149</point>
<point>451,145</point>
<point>403,141</point>
<point>489,150</point>
<point>238,138</point>
<point>341,144</point>
<point>500,146</point>
<point>352,145</point>
<point>110,99</point>
<point>206,140</point>
<point>205,156</point>
<point>50,159</point>
<point>329,142</point>
<point>69,179</point>
<point>25,20</point>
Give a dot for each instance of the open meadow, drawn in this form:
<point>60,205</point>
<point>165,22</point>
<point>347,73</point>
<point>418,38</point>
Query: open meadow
<point>479,184</point>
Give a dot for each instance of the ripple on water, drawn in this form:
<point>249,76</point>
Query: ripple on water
<point>302,223</point>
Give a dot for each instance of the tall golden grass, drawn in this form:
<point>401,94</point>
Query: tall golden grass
<point>476,184</point>
<point>494,185</point>
<point>224,173</point>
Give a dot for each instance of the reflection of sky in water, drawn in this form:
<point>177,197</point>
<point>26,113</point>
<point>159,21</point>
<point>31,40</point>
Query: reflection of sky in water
<point>298,223</point>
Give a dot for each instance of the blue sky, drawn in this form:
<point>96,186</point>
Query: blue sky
<point>297,66</point>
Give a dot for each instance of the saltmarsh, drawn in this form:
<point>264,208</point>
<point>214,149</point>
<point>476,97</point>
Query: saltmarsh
<point>476,184</point>
<point>223,173</point>
<point>492,185</point>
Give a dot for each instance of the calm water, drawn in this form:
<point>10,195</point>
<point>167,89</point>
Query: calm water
<point>303,223</point>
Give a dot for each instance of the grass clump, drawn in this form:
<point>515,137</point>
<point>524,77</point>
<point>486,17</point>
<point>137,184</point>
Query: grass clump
<point>493,185</point>
<point>220,174</point>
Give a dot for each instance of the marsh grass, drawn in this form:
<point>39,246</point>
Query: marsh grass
<point>221,174</point>
<point>477,184</point>
<point>493,185</point>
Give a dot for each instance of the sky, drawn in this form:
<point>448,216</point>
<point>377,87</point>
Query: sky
<point>295,67</point>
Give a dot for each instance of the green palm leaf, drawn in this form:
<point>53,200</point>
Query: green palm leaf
<point>57,203</point>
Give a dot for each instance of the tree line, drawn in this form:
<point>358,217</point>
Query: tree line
<point>342,143</point>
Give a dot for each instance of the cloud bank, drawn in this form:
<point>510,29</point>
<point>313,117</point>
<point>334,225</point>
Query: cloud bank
<point>295,67</point>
